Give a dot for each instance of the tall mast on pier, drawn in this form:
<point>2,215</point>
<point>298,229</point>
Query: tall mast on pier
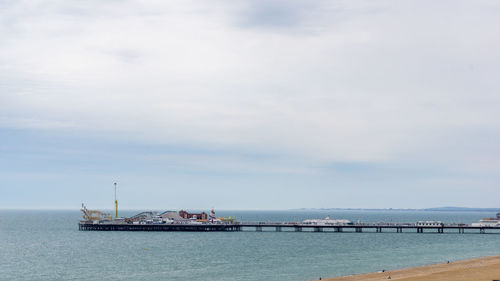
<point>116,204</point>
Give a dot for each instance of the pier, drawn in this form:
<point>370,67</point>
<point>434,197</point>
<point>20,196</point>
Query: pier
<point>158,227</point>
<point>291,227</point>
<point>95,220</point>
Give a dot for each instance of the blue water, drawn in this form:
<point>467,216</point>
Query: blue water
<point>46,245</point>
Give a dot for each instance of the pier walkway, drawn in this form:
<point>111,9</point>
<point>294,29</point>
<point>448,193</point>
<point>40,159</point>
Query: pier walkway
<point>291,227</point>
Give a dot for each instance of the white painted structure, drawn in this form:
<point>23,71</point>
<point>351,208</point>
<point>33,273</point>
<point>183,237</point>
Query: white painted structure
<point>327,221</point>
<point>488,222</point>
<point>430,223</point>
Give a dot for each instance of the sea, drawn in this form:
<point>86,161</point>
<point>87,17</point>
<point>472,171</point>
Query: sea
<point>47,245</point>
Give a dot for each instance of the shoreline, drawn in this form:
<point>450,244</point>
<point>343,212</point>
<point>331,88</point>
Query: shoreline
<point>478,269</point>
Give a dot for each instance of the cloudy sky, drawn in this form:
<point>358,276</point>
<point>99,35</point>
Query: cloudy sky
<point>249,104</point>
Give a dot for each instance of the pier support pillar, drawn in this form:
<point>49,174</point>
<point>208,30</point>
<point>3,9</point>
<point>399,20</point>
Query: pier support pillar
<point>258,228</point>
<point>359,229</point>
<point>379,229</point>
<point>339,229</point>
<point>318,229</point>
<point>461,230</point>
<point>298,229</point>
<point>482,231</point>
<point>278,229</point>
<point>440,230</point>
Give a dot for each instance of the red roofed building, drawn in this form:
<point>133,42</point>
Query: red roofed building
<point>199,216</point>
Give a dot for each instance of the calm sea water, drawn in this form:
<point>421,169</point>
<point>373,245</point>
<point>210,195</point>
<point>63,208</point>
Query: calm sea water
<point>46,245</point>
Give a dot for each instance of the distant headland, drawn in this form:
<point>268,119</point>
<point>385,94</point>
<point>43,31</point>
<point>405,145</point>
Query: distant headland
<point>438,209</point>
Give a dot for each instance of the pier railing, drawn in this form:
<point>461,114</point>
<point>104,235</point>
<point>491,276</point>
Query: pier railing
<point>377,227</point>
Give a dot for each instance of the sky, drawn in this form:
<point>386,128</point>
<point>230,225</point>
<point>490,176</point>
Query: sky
<point>249,104</point>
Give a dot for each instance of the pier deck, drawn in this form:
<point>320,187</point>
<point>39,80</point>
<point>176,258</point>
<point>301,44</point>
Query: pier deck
<point>291,227</point>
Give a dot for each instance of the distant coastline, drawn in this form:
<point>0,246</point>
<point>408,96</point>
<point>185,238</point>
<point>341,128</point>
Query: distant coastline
<point>438,209</point>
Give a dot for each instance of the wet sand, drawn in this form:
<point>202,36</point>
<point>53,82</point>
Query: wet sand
<point>481,269</point>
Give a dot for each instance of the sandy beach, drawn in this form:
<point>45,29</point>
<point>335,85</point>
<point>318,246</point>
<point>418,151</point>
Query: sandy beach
<point>487,269</point>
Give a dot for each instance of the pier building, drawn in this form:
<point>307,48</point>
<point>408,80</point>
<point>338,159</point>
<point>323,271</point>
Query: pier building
<point>199,216</point>
<point>184,221</point>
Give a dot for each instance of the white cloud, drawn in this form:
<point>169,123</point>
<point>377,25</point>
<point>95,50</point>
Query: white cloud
<point>334,81</point>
